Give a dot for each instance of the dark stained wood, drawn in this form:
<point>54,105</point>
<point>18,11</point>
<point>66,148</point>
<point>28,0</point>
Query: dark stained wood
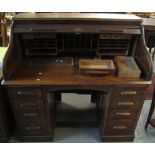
<point>32,113</point>
<point>124,138</point>
<point>152,107</point>
<point>42,62</point>
<point>63,75</point>
<point>140,54</point>
<point>11,59</point>
<point>6,118</point>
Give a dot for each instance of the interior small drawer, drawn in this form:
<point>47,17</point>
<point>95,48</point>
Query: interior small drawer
<point>24,93</point>
<point>120,127</point>
<point>28,103</point>
<point>121,114</point>
<point>125,103</point>
<point>128,91</point>
<point>34,127</point>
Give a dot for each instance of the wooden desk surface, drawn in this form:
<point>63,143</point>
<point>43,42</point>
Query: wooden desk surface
<point>64,75</point>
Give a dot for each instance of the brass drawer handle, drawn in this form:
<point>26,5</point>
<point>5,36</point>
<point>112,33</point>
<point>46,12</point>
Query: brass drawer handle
<point>125,103</point>
<point>30,114</point>
<point>27,104</point>
<point>119,127</point>
<point>123,113</point>
<point>25,92</point>
<point>33,128</point>
<point>128,93</point>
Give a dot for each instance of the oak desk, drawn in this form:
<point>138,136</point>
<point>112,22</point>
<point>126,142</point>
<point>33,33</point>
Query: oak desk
<point>42,61</point>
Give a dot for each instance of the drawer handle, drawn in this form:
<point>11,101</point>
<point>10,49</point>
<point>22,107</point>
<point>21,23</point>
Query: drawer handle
<point>33,128</point>
<point>119,127</point>
<point>128,93</point>
<point>123,113</point>
<point>25,92</point>
<point>30,114</point>
<point>126,103</point>
<point>27,104</point>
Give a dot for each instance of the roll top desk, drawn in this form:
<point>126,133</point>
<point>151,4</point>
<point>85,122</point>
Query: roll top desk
<point>43,60</point>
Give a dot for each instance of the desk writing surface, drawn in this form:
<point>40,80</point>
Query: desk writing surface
<point>74,81</point>
<point>37,72</point>
<point>64,75</point>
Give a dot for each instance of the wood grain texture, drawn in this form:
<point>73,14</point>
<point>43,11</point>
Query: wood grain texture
<point>37,70</point>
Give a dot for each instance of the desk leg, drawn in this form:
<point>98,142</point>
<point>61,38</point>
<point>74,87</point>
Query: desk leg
<point>93,97</point>
<point>151,110</point>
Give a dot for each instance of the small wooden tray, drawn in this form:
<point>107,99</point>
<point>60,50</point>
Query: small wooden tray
<point>127,67</point>
<point>92,66</point>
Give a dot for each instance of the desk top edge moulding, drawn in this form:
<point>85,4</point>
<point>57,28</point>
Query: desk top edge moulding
<point>50,53</point>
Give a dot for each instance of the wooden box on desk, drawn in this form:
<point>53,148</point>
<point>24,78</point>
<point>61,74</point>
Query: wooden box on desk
<point>127,67</point>
<point>96,66</point>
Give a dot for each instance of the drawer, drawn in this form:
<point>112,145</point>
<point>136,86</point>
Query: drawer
<point>30,113</point>
<point>34,127</point>
<point>122,114</point>
<point>28,103</point>
<point>25,93</point>
<point>128,91</point>
<point>120,127</point>
<point>125,103</point>
<point>105,36</point>
<point>116,36</point>
<point>126,37</point>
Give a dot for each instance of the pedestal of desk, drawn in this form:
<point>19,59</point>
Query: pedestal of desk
<point>33,113</point>
<point>119,110</point>
<point>122,113</point>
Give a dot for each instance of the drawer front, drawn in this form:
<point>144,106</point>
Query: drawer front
<point>28,103</point>
<point>128,91</point>
<point>30,113</point>
<point>119,127</point>
<point>34,127</point>
<point>24,93</point>
<point>104,36</point>
<point>116,36</point>
<point>121,114</point>
<point>126,103</point>
<point>126,37</point>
